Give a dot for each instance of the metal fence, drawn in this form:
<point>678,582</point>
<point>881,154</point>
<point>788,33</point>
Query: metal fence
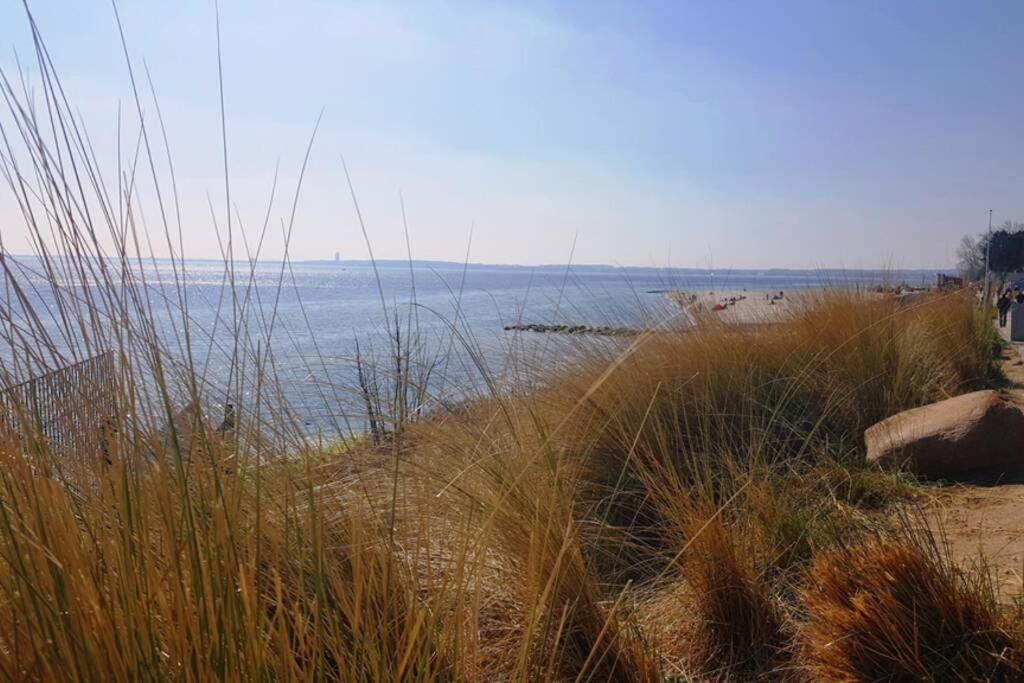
<point>70,410</point>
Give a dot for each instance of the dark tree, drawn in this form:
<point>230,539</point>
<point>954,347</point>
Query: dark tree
<point>1006,254</point>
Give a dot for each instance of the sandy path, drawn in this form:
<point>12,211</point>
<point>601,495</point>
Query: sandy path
<point>986,522</point>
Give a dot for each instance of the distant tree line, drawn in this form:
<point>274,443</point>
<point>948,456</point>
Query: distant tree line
<point>1005,256</point>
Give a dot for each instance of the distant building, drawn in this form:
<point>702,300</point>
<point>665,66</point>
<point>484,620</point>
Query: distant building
<point>337,257</point>
<point>950,282</point>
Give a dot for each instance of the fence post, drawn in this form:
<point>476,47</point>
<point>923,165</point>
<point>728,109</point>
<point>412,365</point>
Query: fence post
<point>69,406</point>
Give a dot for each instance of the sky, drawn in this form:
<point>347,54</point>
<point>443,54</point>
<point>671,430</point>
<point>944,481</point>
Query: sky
<point>694,134</point>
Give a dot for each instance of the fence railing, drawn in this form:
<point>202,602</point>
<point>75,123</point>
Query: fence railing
<point>70,410</point>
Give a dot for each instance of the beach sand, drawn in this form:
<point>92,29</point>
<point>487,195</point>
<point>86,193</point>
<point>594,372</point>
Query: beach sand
<point>739,307</point>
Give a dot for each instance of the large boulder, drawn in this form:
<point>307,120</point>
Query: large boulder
<point>977,433</point>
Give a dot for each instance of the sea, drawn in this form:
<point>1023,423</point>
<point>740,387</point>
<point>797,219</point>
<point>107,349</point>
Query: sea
<point>312,321</point>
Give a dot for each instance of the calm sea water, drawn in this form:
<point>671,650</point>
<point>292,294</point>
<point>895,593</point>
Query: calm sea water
<point>316,316</point>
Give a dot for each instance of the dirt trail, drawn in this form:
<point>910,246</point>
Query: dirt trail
<point>986,522</point>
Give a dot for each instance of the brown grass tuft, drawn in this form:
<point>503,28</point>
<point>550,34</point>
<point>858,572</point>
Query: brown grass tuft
<point>888,610</point>
<point>738,627</point>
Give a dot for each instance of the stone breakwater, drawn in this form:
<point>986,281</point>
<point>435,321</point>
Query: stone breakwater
<point>601,330</point>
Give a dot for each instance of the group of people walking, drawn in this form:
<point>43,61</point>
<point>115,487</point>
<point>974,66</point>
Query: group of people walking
<point>1006,299</point>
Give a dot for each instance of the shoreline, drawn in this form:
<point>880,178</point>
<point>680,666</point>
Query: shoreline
<point>739,306</point>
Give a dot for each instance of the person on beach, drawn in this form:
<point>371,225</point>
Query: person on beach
<point>1003,306</point>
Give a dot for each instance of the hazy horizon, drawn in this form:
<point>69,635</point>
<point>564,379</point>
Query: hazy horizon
<point>799,135</point>
<point>404,263</point>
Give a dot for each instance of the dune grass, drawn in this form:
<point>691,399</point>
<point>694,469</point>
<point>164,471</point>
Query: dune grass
<point>896,609</point>
<point>691,506</point>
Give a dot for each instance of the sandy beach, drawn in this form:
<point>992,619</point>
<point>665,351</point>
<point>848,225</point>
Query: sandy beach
<point>738,307</point>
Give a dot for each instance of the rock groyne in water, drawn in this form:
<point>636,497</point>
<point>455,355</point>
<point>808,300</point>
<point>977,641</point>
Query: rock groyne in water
<point>601,330</point>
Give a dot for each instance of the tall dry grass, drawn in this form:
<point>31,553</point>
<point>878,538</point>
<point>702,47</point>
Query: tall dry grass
<point>646,513</point>
<point>713,464</point>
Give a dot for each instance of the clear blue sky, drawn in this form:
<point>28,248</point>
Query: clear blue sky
<point>722,134</point>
